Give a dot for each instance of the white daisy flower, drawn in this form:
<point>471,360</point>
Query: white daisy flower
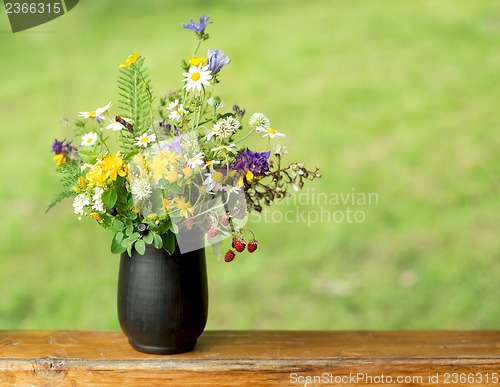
<point>89,139</point>
<point>225,148</point>
<point>117,126</point>
<point>271,133</point>
<point>173,105</point>
<point>97,114</point>
<point>232,189</point>
<point>280,150</point>
<point>196,77</point>
<point>102,110</point>
<point>213,181</point>
<point>259,122</point>
<point>144,139</point>
<point>177,114</point>
<point>196,160</point>
<point>141,189</point>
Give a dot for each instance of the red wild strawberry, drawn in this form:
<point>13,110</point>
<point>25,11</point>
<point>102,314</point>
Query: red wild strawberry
<point>239,244</point>
<point>224,220</point>
<point>189,224</point>
<point>212,232</point>
<point>252,246</point>
<point>229,256</point>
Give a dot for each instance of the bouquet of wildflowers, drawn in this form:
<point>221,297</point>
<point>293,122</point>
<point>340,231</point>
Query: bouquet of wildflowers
<point>176,174</point>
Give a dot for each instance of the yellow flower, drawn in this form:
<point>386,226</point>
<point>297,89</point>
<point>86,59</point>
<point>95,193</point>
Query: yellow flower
<point>130,60</point>
<point>60,159</point>
<point>194,61</point>
<point>172,176</point>
<point>96,216</point>
<point>139,162</point>
<point>185,207</point>
<point>97,174</point>
<point>81,182</point>
<point>188,172</point>
<point>170,156</point>
<point>114,166</point>
<point>158,167</point>
<point>166,204</point>
<point>249,176</point>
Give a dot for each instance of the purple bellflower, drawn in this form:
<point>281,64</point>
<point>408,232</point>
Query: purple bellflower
<point>217,60</point>
<point>197,27</point>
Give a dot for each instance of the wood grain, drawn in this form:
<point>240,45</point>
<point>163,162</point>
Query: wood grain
<point>260,358</point>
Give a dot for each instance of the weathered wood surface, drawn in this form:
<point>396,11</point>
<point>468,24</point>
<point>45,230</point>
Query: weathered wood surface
<point>260,358</point>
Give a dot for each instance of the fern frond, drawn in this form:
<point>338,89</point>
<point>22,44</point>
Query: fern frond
<point>136,98</point>
<point>58,198</point>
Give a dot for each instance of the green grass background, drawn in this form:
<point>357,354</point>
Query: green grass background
<point>396,98</point>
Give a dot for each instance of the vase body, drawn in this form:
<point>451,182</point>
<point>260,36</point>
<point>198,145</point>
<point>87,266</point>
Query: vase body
<point>163,299</point>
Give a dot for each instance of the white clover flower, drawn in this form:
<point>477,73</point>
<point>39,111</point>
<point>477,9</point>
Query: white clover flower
<point>223,128</point>
<point>233,122</point>
<point>259,122</point>
<point>215,102</point>
<point>89,139</point>
<point>141,189</point>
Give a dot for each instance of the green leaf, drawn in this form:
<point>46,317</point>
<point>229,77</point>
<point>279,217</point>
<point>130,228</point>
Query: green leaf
<point>129,230</point>
<point>140,246</point>
<point>118,225</point>
<point>106,220</point>
<point>174,188</point>
<point>109,198</point>
<point>119,236</point>
<point>168,240</point>
<point>157,241</point>
<point>116,246</point>
<point>148,238</point>
<point>129,241</point>
<point>87,154</point>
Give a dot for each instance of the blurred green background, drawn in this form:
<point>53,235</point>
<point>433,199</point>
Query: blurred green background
<point>400,99</point>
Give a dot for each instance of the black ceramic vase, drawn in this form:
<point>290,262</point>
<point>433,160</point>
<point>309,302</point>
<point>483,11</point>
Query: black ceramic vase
<point>163,299</point>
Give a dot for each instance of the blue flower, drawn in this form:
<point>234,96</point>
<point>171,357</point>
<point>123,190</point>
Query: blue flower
<point>59,147</point>
<point>197,27</point>
<point>238,111</point>
<point>255,162</point>
<point>175,145</point>
<point>217,60</point>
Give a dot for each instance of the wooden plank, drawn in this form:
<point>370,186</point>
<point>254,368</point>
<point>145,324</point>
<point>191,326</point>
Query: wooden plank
<point>260,358</point>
